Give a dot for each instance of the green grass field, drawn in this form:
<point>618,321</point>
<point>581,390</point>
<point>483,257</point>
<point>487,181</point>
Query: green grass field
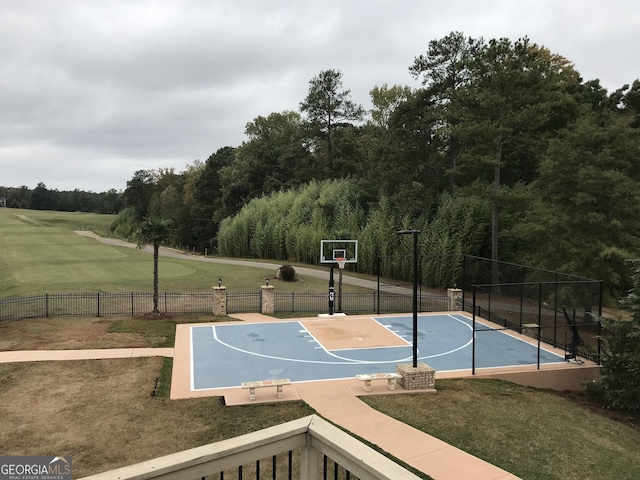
<point>39,252</point>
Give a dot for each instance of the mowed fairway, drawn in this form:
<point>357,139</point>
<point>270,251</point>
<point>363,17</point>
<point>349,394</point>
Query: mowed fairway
<point>40,252</point>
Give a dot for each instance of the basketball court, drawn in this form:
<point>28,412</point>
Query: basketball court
<point>211,359</point>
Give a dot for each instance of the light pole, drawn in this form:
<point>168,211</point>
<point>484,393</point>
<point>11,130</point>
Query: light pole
<point>415,234</point>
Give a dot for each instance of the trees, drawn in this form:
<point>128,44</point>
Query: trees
<point>139,191</point>
<point>328,107</point>
<point>588,210</point>
<point>495,104</point>
<point>619,385</point>
<point>208,206</point>
<point>42,198</point>
<point>386,100</point>
<point>155,231</point>
<point>275,155</point>
<point>445,70</point>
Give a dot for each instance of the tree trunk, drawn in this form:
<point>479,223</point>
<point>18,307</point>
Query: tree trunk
<point>495,270</point>
<point>329,146</point>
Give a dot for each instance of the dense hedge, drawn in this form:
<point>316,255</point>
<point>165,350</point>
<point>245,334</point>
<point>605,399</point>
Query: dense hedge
<point>289,225</point>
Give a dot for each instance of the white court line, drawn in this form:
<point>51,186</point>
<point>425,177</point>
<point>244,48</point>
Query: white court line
<point>343,360</point>
<point>273,357</point>
<point>192,378</point>
<point>510,333</point>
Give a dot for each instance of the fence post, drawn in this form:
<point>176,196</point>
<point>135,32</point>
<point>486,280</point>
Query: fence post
<point>220,301</point>
<point>268,302</point>
<point>555,310</point>
<point>600,325</point>
<point>539,319</point>
<point>464,278</point>
<point>98,304</point>
<point>473,332</point>
<point>46,305</point>
<point>521,302</point>
<point>379,261</point>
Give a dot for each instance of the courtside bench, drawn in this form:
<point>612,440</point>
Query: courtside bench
<point>279,384</point>
<point>367,378</point>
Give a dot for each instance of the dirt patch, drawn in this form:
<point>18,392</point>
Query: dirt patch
<point>87,409</point>
<point>102,413</point>
<point>64,333</point>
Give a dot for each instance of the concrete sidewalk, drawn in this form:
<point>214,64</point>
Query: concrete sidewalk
<point>338,403</point>
<point>91,354</point>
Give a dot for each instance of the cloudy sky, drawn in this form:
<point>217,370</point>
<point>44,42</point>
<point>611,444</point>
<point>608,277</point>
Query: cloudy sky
<point>93,90</point>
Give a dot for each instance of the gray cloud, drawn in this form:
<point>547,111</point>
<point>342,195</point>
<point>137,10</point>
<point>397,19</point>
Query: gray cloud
<point>91,91</point>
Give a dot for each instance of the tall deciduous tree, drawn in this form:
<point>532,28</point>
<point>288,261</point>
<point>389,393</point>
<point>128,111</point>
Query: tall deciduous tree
<point>139,191</point>
<point>327,107</point>
<point>274,156</point>
<point>208,205</point>
<point>386,100</point>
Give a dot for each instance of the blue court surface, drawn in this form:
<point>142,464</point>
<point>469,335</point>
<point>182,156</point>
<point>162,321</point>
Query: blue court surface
<point>225,355</point>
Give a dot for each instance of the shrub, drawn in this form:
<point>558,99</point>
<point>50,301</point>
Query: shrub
<point>287,273</point>
<point>619,386</point>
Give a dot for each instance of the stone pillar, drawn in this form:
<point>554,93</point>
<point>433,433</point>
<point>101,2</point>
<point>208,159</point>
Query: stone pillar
<point>268,300</point>
<point>455,299</point>
<point>422,377</point>
<point>219,301</point>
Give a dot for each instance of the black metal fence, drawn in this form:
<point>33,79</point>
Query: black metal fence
<point>201,303</point>
<point>358,302</point>
<point>243,302</point>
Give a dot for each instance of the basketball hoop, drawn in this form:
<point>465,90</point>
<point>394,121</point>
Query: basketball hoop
<point>341,262</point>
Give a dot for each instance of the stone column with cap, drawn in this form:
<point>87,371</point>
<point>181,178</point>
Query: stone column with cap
<point>455,299</point>
<point>268,300</point>
<point>220,301</point>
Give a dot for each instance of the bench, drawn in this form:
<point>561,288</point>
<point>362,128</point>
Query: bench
<point>266,383</point>
<point>367,378</point>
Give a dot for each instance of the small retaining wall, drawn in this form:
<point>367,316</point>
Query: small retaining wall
<point>567,379</point>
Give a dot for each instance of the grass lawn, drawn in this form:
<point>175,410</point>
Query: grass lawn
<point>39,252</point>
<point>534,434</point>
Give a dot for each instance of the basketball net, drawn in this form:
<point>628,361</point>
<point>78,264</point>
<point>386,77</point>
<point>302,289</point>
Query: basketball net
<point>341,262</point>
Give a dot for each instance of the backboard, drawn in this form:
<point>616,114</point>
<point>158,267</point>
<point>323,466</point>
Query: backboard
<point>330,250</point>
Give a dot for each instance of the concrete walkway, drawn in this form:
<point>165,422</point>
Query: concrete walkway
<point>337,402</point>
<point>91,354</point>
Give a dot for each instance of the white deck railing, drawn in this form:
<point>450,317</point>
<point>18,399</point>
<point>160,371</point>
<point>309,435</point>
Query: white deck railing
<point>312,436</point>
